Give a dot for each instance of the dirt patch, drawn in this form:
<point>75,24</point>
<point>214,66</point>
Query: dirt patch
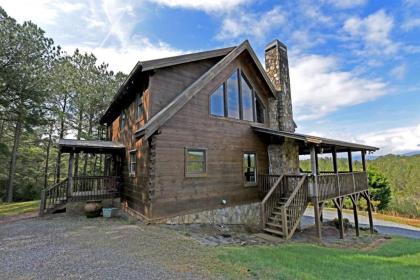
<point>15,218</point>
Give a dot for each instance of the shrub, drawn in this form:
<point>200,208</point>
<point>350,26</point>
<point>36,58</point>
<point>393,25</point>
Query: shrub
<point>379,189</point>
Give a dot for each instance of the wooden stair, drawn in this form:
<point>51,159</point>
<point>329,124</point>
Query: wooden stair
<point>279,202</point>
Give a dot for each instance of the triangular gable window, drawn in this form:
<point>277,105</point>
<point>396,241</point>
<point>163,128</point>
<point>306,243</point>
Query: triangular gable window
<point>237,99</point>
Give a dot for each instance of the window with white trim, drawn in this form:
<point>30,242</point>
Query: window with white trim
<point>195,161</point>
<point>133,163</point>
<point>250,168</point>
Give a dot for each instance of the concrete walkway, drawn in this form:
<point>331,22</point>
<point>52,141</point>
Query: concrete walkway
<point>383,227</point>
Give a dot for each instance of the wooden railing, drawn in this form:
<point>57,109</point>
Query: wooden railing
<point>335,185</point>
<point>265,183</point>
<point>94,187</point>
<point>276,192</point>
<point>53,196</point>
<point>295,206</point>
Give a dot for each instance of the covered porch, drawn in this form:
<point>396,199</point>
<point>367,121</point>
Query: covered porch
<point>320,186</point>
<point>83,187</point>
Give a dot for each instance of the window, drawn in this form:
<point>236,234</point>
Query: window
<point>133,162</point>
<point>123,119</point>
<point>259,110</point>
<point>139,106</point>
<point>236,99</point>
<point>217,102</point>
<point>250,175</point>
<point>247,100</point>
<point>195,162</point>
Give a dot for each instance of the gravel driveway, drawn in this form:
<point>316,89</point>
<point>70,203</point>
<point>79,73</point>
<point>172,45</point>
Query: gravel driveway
<point>64,247</point>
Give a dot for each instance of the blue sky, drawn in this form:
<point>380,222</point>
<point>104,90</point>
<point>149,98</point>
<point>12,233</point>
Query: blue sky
<point>354,64</point>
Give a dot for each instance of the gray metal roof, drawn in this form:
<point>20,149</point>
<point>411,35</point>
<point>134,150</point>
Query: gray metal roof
<point>322,142</point>
<point>89,146</point>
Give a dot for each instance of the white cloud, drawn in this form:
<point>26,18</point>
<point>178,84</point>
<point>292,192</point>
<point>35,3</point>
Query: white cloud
<point>374,30</point>
<point>256,25</point>
<point>346,4</point>
<point>203,5</point>
<point>398,72</point>
<point>124,58</point>
<point>320,88</point>
<point>411,24</point>
<point>395,140</point>
<point>39,11</point>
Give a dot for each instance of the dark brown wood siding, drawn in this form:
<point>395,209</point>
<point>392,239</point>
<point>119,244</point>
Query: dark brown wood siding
<point>225,140</point>
<point>135,188</point>
<point>166,83</point>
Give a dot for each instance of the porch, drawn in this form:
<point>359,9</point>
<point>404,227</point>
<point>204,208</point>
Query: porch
<point>285,197</point>
<point>84,188</point>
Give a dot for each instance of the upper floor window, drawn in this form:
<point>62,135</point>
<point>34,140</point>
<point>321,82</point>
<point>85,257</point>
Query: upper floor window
<point>237,99</point>
<point>123,119</point>
<point>139,106</point>
<point>133,162</point>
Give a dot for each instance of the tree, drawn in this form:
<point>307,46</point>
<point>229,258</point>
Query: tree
<point>26,56</point>
<point>379,188</point>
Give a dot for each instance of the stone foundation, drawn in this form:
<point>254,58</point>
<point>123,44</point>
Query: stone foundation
<point>76,208</point>
<point>248,214</point>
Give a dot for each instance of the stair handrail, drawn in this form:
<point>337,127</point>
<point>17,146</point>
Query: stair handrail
<point>295,191</point>
<point>45,199</point>
<point>293,220</point>
<point>267,196</point>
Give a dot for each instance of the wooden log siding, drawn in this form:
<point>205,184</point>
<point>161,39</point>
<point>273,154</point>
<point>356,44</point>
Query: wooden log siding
<point>225,140</point>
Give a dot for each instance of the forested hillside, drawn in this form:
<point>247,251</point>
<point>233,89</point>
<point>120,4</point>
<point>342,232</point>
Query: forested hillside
<point>45,94</point>
<point>402,172</point>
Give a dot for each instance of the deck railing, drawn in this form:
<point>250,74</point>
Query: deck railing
<point>265,183</point>
<point>335,185</point>
<point>93,187</point>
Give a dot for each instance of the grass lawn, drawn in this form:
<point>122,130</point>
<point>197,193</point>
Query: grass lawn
<point>397,259</point>
<point>12,209</point>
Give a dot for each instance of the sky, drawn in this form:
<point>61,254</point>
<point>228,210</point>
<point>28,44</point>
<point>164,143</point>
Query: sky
<point>354,64</point>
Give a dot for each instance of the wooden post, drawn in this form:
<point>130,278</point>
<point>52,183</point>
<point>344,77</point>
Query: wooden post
<point>350,161</point>
<point>316,162</point>
<point>338,202</point>
<point>42,204</point>
<point>70,175</point>
<point>365,194</point>
<point>334,156</point>
<point>354,200</point>
<point>315,201</point>
<point>321,208</point>
<point>364,160</point>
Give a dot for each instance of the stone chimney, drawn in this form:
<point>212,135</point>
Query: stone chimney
<point>283,157</point>
<point>277,67</point>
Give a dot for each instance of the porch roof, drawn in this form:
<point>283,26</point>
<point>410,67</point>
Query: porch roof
<point>305,141</point>
<point>89,146</point>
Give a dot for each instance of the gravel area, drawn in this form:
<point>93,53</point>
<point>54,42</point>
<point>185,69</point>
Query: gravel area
<point>65,247</point>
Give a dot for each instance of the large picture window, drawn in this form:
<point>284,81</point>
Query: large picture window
<point>250,171</point>
<point>237,99</point>
<point>195,162</point>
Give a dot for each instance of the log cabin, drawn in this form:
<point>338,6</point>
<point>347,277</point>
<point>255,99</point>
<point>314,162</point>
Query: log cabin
<point>209,137</point>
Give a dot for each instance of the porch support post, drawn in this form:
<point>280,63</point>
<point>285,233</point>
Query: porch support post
<point>350,161</point>
<point>364,160</point>
<point>338,202</point>
<point>334,156</point>
<point>315,201</point>
<point>70,175</point>
<point>321,208</point>
<point>365,195</point>
<point>354,200</point>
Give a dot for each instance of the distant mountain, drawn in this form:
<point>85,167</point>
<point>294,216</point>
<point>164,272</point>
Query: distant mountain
<point>413,153</point>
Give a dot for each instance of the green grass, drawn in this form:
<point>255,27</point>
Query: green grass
<point>397,259</point>
<point>13,209</point>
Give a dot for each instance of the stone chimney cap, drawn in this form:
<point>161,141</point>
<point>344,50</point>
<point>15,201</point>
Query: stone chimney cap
<point>275,43</point>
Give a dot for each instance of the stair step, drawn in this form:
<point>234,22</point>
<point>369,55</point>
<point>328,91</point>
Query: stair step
<point>273,231</point>
<point>274,225</point>
<point>277,219</point>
